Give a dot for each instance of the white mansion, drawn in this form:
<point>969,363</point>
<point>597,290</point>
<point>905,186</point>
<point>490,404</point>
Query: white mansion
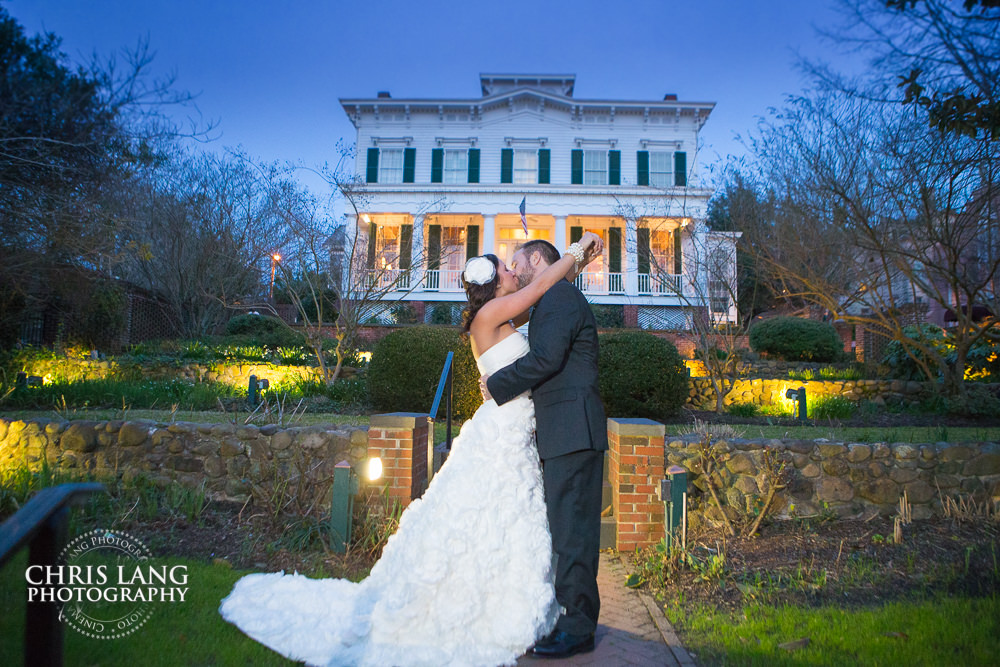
<point>443,180</point>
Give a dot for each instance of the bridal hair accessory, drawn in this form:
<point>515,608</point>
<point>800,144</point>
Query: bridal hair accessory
<point>577,251</point>
<point>479,271</point>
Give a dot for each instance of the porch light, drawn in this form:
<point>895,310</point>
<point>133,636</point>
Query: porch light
<point>364,216</point>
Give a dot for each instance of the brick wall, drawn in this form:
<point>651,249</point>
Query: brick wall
<point>635,467</point>
<point>402,440</point>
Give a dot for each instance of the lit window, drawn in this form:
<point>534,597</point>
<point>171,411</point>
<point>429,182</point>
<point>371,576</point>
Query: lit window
<point>390,165</point>
<point>595,167</point>
<point>525,166</point>
<point>456,166</point>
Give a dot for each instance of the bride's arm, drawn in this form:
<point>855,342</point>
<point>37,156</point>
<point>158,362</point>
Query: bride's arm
<point>515,306</point>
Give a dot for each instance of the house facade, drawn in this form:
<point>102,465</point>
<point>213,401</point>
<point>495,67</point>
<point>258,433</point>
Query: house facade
<point>442,180</point>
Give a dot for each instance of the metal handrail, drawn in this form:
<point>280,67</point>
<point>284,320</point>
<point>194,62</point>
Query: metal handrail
<point>446,380</point>
<point>41,525</point>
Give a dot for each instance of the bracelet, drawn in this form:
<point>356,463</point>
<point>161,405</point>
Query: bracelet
<point>577,251</point>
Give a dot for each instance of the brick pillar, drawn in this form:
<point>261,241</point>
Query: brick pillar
<point>630,316</point>
<point>635,469</point>
<point>403,441</point>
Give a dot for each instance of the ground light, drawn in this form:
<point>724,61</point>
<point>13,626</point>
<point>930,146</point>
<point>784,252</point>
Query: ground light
<point>799,396</point>
<point>345,487</point>
<point>672,492</point>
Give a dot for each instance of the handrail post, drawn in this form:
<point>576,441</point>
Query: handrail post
<point>43,633</point>
<point>451,373</point>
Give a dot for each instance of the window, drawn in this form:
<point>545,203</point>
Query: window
<point>661,245</point>
<point>525,166</point>
<point>661,172</point>
<point>456,166</point>
<point>595,167</point>
<point>390,165</point>
<point>719,296</point>
<point>452,248</point>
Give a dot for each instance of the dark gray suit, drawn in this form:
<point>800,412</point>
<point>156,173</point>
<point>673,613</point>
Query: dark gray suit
<point>561,371</point>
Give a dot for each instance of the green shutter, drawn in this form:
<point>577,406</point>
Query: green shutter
<point>372,175</point>
<point>575,234</point>
<point>677,251</point>
<point>405,246</point>
<point>642,243</point>
<point>642,168</point>
<point>506,165</point>
<point>544,159</point>
<point>471,241</point>
<point>434,247</point>
<point>577,167</point>
<point>614,167</point>
<point>437,165</point>
<point>615,250</point>
<point>409,164</point>
<point>680,168</point>
<point>372,243</point>
<point>473,165</point>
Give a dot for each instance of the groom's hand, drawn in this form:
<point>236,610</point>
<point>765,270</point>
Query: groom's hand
<point>484,389</point>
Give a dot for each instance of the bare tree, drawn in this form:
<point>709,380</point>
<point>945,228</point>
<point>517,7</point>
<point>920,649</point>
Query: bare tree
<point>879,217</point>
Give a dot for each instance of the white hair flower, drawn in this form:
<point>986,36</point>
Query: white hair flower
<point>479,271</point>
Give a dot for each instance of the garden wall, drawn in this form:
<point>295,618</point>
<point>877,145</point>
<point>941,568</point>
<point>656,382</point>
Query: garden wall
<point>848,479</point>
<point>231,461</point>
<point>762,391</point>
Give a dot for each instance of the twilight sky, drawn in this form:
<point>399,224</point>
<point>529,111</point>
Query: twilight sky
<point>271,72</point>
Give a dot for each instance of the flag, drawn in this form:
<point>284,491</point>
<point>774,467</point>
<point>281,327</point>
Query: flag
<point>524,220</point>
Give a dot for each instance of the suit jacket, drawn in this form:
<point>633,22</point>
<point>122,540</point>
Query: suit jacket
<point>561,372</point>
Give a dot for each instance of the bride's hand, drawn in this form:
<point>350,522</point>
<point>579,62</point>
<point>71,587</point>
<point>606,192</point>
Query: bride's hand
<point>593,247</point>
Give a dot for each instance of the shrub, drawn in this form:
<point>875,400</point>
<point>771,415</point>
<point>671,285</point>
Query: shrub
<point>263,330</point>
<point>796,339</point>
<point>830,407</point>
<point>406,366</point>
<point>743,409</point>
<point>641,376</point>
<point>608,316</point>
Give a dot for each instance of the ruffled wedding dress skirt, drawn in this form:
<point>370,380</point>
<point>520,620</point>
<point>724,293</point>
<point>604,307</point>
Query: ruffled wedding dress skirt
<point>465,580</point>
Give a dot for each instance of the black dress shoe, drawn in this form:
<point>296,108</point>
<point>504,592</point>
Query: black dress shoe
<point>562,645</point>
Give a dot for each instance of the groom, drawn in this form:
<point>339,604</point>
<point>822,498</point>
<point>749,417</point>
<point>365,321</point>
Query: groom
<point>561,372</point>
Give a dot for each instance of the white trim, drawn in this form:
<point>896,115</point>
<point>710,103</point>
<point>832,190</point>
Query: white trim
<point>390,142</point>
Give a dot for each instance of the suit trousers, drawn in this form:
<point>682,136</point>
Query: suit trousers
<point>573,489</point>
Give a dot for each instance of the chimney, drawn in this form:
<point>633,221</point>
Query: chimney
<point>384,95</point>
<point>670,97</point>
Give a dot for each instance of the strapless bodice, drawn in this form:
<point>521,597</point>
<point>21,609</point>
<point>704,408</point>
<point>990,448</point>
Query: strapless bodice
<point>504,353</point>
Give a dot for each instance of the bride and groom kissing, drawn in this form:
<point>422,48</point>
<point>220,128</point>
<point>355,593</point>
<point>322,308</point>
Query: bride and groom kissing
<point>500,554</point>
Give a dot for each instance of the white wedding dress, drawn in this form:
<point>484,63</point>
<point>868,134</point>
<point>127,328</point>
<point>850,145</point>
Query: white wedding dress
<point>465,580</point>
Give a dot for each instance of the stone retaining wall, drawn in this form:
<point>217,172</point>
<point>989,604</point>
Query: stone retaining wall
<point>846,478</point>
<point>760,391</point>
<point>231,461</point>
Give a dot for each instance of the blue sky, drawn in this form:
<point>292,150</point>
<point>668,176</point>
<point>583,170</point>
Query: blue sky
<point>271,73</point>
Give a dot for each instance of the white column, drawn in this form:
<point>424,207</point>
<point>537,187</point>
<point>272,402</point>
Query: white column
<point>560,238</point>
<point>353,245</point>
<point>631,258</point>
<point>417,253</point>
<point>489,234</point>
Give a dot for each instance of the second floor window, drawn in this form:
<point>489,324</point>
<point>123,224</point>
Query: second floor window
<point>661,169</point>
<point>595,167</point>
<point>390,165</point>
<point>456,166</point>
<point>525,166</point>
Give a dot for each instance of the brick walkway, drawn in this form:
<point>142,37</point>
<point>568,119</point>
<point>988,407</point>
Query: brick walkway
<point>631,630</point>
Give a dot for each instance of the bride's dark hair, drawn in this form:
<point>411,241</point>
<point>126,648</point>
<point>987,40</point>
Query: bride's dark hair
<point>479,295</point>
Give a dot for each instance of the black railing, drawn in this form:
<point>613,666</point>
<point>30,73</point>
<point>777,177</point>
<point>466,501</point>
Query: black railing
<point>41,525</point>
<point>445,383</point>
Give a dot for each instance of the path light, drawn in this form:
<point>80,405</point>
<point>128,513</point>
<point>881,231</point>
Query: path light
<point>799,396</point>
<point>672,492</point>
<point>345,487</point>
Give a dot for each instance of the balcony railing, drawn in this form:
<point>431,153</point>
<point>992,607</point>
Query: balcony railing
<point>397,279</point>
<point>599,282</point>
<point>662,283</point>
<point>441,280</point>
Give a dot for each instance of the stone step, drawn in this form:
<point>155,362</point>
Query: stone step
<point>609,530</point>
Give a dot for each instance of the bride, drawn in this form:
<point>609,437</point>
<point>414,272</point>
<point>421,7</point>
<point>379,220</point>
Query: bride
<point>467,577</point>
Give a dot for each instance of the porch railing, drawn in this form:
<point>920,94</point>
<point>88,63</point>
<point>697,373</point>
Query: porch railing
<point>442,280</point>
<point>398,279</point>
<point>599,282</point>
<point>663,283</point>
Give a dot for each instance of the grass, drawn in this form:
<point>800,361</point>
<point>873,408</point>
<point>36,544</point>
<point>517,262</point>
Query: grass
<point>935,631</point>
<point>180,633</point>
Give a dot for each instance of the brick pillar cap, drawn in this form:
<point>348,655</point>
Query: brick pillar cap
<point>636,426</point>
<point>399,419</point>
